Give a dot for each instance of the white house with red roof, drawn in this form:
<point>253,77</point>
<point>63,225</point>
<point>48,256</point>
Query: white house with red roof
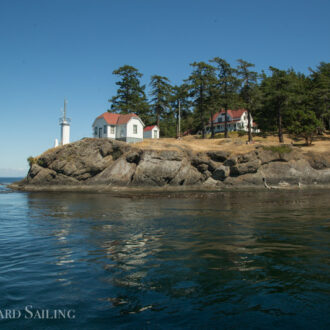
<point>128,128</point>
<point>151,132</point>
<point>237,120</point>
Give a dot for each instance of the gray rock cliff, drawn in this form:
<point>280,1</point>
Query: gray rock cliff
<point>114,163</point>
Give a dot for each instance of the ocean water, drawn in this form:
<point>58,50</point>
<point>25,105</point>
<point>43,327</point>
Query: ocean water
<point>232,260</point>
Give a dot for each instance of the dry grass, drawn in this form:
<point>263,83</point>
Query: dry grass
<point>234,144</point>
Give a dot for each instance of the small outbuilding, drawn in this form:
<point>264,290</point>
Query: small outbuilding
<point>151,132</point>
<point>128,128</point>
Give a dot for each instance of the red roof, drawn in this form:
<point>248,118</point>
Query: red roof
<point>116,119</point>
<point>149,128</point>
<point>110,118</point>
<point>124,119</point>
<point>235,114</point>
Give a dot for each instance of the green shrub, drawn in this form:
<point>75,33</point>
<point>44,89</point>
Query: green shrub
<point>305,125</point>
<point>31,160</point>
<point>282,149</point>
<point>241,133</point>
<point>261,134</point>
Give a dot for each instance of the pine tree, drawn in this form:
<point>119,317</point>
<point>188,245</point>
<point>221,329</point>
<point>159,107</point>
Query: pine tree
<point>130,96</point>
<point>320,92</point>
<point>180,99</point>
<point>212,101</point>
<point>161,91</point>
<point>228,85</point>
<point>248,89</point>
<point>199,80</point>
<point>278,96</point>
<point>305,125</point>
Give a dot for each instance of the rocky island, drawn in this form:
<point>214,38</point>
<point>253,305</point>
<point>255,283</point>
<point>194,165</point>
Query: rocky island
<point>104,164</point>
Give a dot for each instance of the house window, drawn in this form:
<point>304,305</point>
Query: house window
<point>134,129</point>
<point>105,129</point>
<point>95,131</point>
<point>112,130</point>
<point>155,134</point>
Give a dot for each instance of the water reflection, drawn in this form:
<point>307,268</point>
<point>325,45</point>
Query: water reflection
<point>180,259</point>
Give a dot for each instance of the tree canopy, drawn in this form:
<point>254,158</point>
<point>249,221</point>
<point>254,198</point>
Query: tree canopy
<point>282,101</point>
<point>161,91</point>
<point>130,96</point>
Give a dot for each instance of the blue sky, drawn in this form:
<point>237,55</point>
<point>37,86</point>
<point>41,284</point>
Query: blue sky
<point>68,48</point>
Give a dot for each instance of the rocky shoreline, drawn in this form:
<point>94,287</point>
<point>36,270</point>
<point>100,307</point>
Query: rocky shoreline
<point>105,165</point>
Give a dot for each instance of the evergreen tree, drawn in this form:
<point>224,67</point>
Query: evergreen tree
<point>130,96</point>
<point>161,91</point>
<point>320,92</point>
<point>228,85</point>
<point>248,89</point>
<point>212,101</point>
<point>180,99</point>
<point>305,125</point>
<point>199,81</point>
<point>277,96</point>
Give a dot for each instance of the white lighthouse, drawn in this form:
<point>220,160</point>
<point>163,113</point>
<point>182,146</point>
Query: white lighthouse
<point>65,127</point>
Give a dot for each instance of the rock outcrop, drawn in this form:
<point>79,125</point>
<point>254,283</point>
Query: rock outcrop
<point>104,162</point>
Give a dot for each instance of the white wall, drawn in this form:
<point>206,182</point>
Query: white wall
<point>99,123</point>
<point>109,134</point>
<point>245,121</point>
<point>129,128</point>
<point>65,134</point>
<point>121,131</point>
<point>155,129</point>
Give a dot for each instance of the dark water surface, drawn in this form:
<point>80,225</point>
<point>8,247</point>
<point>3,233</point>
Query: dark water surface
<point>233,260</point>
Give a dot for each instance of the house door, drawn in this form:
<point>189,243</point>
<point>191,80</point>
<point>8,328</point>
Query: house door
<point>100,132</point>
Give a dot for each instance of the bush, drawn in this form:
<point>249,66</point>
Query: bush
<point>282,149</point>
<point>261,134</point>
<point>305,125</point>
<point>31,160</point>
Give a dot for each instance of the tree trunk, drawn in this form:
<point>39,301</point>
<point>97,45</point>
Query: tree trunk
<point>202,111</point>
<point>158,120</point>
<point>226,121</point>
<point>177,124</point>
<point>212,126</point>
<point>280,133</point>
<point>249,127</point>
<point>203,127</point>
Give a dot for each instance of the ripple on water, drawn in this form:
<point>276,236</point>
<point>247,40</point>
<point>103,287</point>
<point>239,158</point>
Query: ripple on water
<point>235,260</point>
